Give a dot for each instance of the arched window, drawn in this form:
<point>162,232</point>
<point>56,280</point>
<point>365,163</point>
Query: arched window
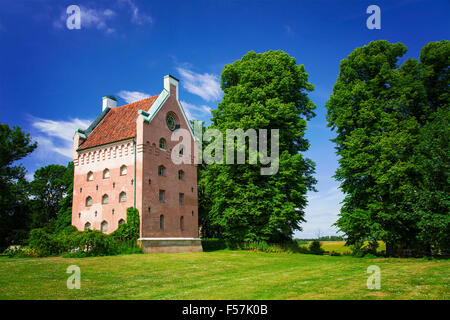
<point>90,176</point>
<point>161,170</point>
<point>87,226</point>
<point>180,175</point>
<point>181,223</point>
<point>121,221</point>
<point>161,222</point>
<point>106,174</point>
<point>181,151</point>
<point>105,199</point>
<point>122,197</point>
<point>161,195</point>
<point>104,226</point>
<point>162,143</point>
<point>88,201</point>
<point>123,170</point>
<point>181,198</point>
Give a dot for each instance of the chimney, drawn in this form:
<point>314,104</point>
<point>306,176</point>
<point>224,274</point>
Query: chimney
<point>109,101</point>
<point>171,85</point>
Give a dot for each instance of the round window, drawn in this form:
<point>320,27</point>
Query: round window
<point>170,122</point>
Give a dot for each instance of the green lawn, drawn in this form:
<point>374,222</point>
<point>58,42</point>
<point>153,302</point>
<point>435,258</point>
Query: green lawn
<point>223,275</point>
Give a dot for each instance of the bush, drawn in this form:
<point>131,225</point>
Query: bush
<point>211,244</point>
<point>262,246</point>
<point>315,247</point>
<point>21,252</point>
<point>357,249</point>
<point>372,247</point>
<point>43,243</point>
<point>128,231</point>
<point>95,243</point>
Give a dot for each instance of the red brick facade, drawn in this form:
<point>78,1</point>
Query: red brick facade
<point>125,137</point>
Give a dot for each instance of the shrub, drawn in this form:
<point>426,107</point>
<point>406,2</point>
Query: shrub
<point>21,252</point>
<point>43,243</point>
<point>357,249</point>
<point>128,231</point>
<point>262,246</point>
<point>372,247</point>
<point>211,244</point>
<point>95,243</point>
<point>315,247</point>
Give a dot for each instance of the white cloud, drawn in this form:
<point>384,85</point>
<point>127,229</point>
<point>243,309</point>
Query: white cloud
<point>322,211</point>
<point>194,112</point>
<point>137,17</point>
<point>55,137</point>
<point>131,96</point>
<point>204,85</point>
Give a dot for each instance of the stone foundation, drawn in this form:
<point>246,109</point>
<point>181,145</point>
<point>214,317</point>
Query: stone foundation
<point>165,245</point>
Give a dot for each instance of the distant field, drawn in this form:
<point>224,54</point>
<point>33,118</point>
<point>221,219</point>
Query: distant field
<point>223,275</point>
<point>339,246</point>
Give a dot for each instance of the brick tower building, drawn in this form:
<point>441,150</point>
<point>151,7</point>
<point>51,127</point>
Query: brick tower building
<point>124,160</point>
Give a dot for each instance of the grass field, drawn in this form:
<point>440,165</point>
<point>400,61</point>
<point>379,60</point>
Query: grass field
<point>223,275</point>
<point>339,246</point>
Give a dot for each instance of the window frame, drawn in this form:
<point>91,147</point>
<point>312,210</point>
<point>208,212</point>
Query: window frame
<point>161,171</point>
<point>101,226</point>
<point>163,142</point>
<point>161,222</point>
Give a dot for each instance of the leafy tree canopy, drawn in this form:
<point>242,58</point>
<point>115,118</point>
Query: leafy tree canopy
<point>261,91</point>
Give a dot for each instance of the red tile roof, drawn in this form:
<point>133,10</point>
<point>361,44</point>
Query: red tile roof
<point>118,124</point>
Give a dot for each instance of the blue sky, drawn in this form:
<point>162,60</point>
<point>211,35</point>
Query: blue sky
<point>52,79</point>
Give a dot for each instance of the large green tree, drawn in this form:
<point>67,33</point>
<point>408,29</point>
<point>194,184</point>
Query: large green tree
<point>64,217</point>
<point>14,215</point>
<point>261,91</point>
<point>378,109</point>
<point>51,184</point>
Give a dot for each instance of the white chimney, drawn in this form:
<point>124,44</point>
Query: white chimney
<point>171,80</point>
<point>109,101</point>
